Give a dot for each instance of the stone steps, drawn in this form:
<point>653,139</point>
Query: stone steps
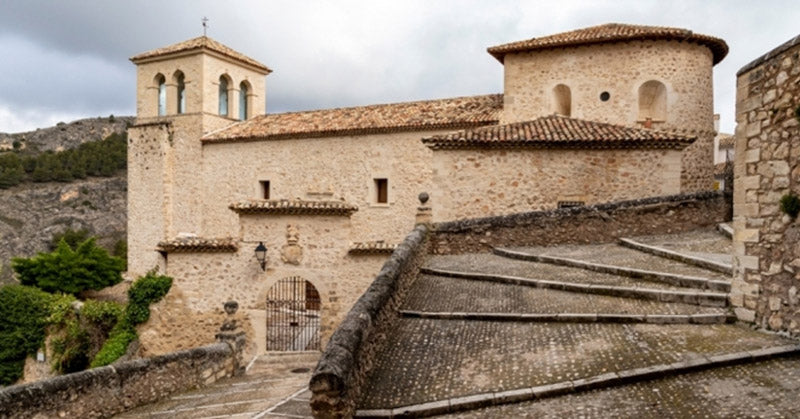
<point>678,280</point>
<point>708,299</point>
<point>718,318</point>
<point>704,263</point>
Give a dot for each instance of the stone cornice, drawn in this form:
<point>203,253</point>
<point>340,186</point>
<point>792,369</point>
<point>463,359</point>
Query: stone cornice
<point>294,207</point>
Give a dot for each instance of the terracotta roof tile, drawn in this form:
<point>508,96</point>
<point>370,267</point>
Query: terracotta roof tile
<point>197,245</point>
<point>612,32</point>
<point>375,247</point>
<point>199,43</point>
<point>455,113</point>
<point>294,207</point>
<point>556,131</point>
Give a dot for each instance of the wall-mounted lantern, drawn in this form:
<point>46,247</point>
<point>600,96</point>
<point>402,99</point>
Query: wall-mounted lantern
<point>261,255</point>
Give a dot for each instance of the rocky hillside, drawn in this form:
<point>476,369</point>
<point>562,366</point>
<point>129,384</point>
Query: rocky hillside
<point>64,135</point>
<point>30,213</point>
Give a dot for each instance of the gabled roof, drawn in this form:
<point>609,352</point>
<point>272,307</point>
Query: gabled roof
<point>556,131</point>
<point>612,32</point>
<point>198,44</point>
<point>455,113</point>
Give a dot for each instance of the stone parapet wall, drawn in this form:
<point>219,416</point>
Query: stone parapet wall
<point>338,378</point>
<point>767,166</point>
<point>106,391</point>
<point>589,224</point>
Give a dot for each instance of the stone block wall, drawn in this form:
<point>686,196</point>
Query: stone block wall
<point>342,370</point>
<point>767,166</point>
<point>590,224</point>
<point>106,391</point>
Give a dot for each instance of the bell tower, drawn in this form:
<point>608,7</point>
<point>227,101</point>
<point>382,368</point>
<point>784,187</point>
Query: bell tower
<point>183,91</point>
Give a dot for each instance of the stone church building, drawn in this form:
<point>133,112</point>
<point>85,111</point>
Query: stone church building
<point>593,115</point>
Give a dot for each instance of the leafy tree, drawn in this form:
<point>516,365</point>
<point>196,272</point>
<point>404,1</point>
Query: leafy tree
<point>70,271</point>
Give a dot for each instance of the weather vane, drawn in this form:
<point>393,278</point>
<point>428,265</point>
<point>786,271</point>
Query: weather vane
<point>205,25</point>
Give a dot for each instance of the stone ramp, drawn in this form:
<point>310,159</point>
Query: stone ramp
<point>431,360</point>
<point>274,386</point>
<point>763,389</point>
<point>464,295</point>
<point>479,330</point>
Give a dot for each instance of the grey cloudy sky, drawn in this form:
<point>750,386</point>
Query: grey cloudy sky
<point>68,59</point>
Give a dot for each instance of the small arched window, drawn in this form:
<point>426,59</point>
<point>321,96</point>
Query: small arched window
<point>223,96</point>
<point>243,91</point>
<point>652,101</point>
<point>181,97</point>
<point>562,100</point>
<point>161,82</point>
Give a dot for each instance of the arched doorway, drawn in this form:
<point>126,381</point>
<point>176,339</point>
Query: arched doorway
<point>293,313</point>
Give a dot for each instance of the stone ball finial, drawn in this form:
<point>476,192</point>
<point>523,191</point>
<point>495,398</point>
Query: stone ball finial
<point>424,197</point>
<point>231,307</point>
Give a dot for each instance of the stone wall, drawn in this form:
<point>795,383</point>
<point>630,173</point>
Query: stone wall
<point>590,224</point>
<point>337,380</point>
<point>105,391</point>
<point>477,183</point>
<point>767,166</point>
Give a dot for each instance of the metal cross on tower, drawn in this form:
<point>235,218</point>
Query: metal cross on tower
<point>205,25</point>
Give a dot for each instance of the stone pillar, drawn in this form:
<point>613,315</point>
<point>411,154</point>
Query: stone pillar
<point>232,334</point>
<point>424,212</point>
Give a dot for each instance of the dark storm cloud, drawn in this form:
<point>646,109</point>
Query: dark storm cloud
<point>71,57</point>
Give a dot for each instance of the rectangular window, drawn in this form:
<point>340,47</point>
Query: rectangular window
<point>265,189</point>
<point>382,191</point>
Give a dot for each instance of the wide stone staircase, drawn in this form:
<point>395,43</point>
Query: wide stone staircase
<point>635,328</point>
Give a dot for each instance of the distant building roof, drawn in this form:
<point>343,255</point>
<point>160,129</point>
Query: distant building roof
<point>726,140</point>
<point>199,43</point>
<point>294,207</point>
<point>612,32</point>
<point>556,131</point>
<point>454,113</point>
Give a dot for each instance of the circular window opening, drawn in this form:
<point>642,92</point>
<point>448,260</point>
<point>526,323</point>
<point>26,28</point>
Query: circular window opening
<point>605,96</point>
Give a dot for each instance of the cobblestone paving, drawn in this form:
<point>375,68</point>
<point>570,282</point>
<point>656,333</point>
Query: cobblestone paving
<point>493,264</point>
<point>613,254</point>
<point>507,298</point>
<point>264,390</point>
<point>766,389</point>
<point>427,360</point>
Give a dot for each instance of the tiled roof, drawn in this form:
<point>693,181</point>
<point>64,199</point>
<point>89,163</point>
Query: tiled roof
<point>197,245</point>
<point>612,32</point>
<point>455,113</point>
<point>376,247</point>
<point>201,42</point>
<point>557,131</point>
<point>294,207</point>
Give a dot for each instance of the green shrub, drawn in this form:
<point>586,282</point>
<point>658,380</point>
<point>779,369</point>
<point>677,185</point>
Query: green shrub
<point>116,345</point>
<point>72,237</point>
<point>790,204</point>
<point>146,290</point>
<point>70,271</point>
<point>121,250</point>
<point>69,338</point>
<point>102,314</point>
<point>11,170</point>
<point>23,317</point>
